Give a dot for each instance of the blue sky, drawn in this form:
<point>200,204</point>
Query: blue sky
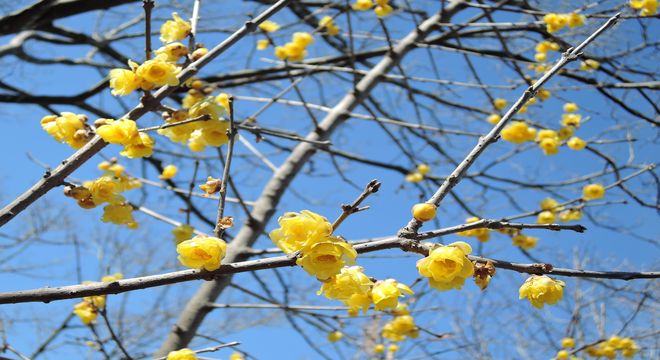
<point>51,263</point>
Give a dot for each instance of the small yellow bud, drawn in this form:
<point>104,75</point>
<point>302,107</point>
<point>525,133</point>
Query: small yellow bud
<point>424,211</point>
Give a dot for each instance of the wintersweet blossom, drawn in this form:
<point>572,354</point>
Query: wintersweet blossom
<point>182,232</point>
<point>326,258</point>
<point>541,290</point>
<point>447,267</point>
<point>176,29</point>
<point>385,293</point>
<point>424,211</point>
<point>593,191</point>
<point>299,229</point>
<point>202,252</point>
<point>169,172</point>
<point>182,354</point>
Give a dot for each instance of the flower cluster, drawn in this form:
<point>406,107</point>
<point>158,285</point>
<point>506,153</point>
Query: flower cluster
<point>447,267</point>
<point>87,310</point>
<point>107,189</point>
<point>648,7</point>
<point>555,22</point>
<point>202,252</point>
<point>351,286</point>
<point>482,234</point>
<point>321,254</point>
<point>609,348</point>
<point>68,128</point>
<point>541,290</point>
<point>589,65</point>
<point>327,23</point>
<point>518,132</point>
<point>199,134</point>
<point>418,174</point>
<point>382,9</point>
<point>550,208</point>
<point>296,49</point>
<point>400,327</point>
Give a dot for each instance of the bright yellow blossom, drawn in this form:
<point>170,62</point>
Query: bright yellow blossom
<point>236,356</point>
<point>494,118</point>
<point>169,172</point>
<point>541,290</point>
<point>571,120</point>
<point>121,131</point>
<point>423,169</point>
<point>124,82</point>
<point>393,348</point>
<point>546,217</point>
<point>518,132</point>
<point>182,232</point>
<point>335,336</point>
<point>86,312</point>
<point>576,143</point>
<point>568,343</point>
<point>570,107</point>
<point>399,328</point>
<point>589,65</point>
<point>269,26</point>
<point>202,252</point>
<point>173,52</point>
<point>482,234</point>
<point>350,281</point>
<point>499,103</point>
<point>385,294</point>
<point>327,257</point>
<point>593,191</point>
<point>447,267</point>
<point>648,7</point>
<point>562,355</point>
<point>113,277</point>
<point>383,10</point>
<point>550,204</point>
<point>299,229</point>
<point>379,349</point>
<point>570,214</point>
<point>328,23</point>
<point>183,354</point>
<point>566,132</point>
<point>120,213</point>
<point>105,189</point>
<point>424,211</point>
<point>141,146</point>
<point>68,127</point>
<point>524,241</point>
<point>159,72</point>
<point>174,30</point>
<point>414,177</point>
<point>263,44</point>
<point>363,5</point>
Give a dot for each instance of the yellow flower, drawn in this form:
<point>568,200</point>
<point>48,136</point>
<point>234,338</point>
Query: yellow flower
<point>329,25</point>
<point>518,132</point>
<point>302,38</point>
<point>545,46</point>
<point>382,11</point>
<point>550,204</point>
<point>566,132</point>
<point>64,128</point>
<point>362,5</point>
<point>414,177</point>
<point>576,20</point>
<point>173,51</point>
<point>570,107</point>
<point>202,252</point>
<point>105,189</point>
<point>540,57</point>
<point>121,131</point>
<point>174,30</point>
<point>576,143</point>
<point>379,349</point>
<point>570,214</point>
<point>385,294</point>
<point>141,146</point>
<point>399,328</point>
<point>423,169</point>
<point>327,257</point>
<point>350,281</point>
<point>281,53</point>
<point>223,100</point>
<point>568,343</point>
<point>119,214</point>
<point>214,133</point>
<point>545,217</point>
<point>648,7</point>
<point>183,354</point>
<point>393,348</point>
<point>593,191</point>
<point>199,53</point>
<point>335,336</point>
<point>182,232</point>
<point>541,290</point>
<point>589,65</point>
<point>524,241</point>
<point>357,302</point>
<point>169,172</point>
<point>159,72</point>
<point>571,120</point>
<point>236,356</point>
<point>562,355</point>
<point>269,26</point>
<point>481,234</point>
<point>447,267</point>
<point>499,103</point>
<point>299,229</point>
<point>263,44</point>
<point>424,211</point>
<point>494,119</point>
<point>86,312</point>
<point>211,186</point>
<point>544,94</point>
<point>113,277</point>
<point>124,82</point>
